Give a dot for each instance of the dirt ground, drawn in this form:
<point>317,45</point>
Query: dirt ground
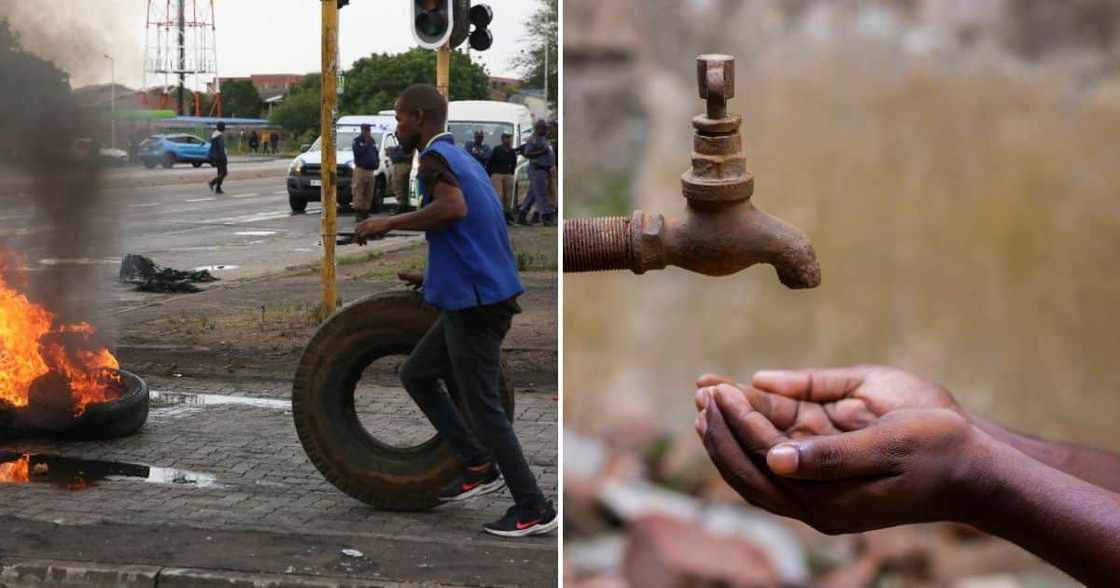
<point>257,328</point>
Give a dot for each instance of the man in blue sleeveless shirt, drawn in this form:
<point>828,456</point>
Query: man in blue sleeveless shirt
<point>472,279</point>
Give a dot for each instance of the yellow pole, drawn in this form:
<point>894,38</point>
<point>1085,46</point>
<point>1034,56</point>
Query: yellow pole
<point>329,170</point>
<point>443,71</point>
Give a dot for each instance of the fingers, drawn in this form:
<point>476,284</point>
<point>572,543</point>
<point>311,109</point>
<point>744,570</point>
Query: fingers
<point>814,385</point>
<point>706,380</point>
<point>754,432</point>
<point>866,452</point>
<point>736,468</point>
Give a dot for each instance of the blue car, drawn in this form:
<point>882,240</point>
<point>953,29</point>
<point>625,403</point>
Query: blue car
<point>167,150</point>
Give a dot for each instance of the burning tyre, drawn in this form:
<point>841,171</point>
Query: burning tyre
<point>58,378</point>
<point>122,412</point>
<point>358,461</point>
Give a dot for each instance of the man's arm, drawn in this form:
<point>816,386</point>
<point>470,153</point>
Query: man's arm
<point>448,205</point>
<point>532,149</point>
<point>1067,521</point>
<point>1092,465</point>
<point>911,466</point>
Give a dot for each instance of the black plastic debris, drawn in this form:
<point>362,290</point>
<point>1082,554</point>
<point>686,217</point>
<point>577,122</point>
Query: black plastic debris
<point>150,277</point>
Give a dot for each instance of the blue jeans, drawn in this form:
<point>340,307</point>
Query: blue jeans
<point>539,179</point>
<point>467,345</point>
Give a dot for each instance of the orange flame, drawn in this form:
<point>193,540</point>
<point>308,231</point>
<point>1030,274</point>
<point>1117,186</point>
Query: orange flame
<point>31,346</point>
<point>17,471</point>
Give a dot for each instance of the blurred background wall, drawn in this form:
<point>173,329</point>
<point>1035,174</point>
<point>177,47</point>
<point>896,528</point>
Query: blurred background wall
<point>956,164</point>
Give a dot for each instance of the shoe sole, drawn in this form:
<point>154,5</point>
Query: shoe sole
<point>477,491</point>
<point>534,530</point>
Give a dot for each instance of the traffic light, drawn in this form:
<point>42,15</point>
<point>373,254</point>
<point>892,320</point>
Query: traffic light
<point>481,16</point>
<point>432,22</point>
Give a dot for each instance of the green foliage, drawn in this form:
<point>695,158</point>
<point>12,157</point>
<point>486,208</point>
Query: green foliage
<point>374,82</point>
<point>35,93</point>
<point>541,31</point>
<point>241,99</point>
<point>299,113</point>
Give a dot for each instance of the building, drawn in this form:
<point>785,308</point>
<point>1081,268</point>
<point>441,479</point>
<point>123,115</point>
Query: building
<point>502,88</point>
<point>268,85</point>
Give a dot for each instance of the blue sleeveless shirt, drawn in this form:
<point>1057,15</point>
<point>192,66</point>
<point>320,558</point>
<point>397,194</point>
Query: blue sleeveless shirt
<point>470,261</point>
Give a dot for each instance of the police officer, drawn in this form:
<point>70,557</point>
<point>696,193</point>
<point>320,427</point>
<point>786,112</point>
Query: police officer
<point>479,150</point>
<point>402,175</point>
<point>471,277</point>
<point>539,153</point>
<point>365,163</point>
<point>503,165</point>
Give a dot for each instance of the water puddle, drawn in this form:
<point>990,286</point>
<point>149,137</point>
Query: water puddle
<point>160,399</point>
<point>80,474</point>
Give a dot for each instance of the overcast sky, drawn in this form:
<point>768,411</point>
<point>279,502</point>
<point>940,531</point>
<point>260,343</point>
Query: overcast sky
<point>253,36</point>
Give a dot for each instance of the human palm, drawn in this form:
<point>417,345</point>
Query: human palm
<point>803,403</point>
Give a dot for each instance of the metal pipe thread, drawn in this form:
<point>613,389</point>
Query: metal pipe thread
<point>597,244</point>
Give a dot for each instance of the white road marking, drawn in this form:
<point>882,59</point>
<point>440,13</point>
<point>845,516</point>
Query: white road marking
<point>80,261</point>
<point>145,205</point>
<point>215,268</point>
<point>260,216</point>
<point>201,199</point>
<point>249,195</point>
<point>254,233</point>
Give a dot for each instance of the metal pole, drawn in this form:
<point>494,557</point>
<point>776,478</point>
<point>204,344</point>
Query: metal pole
<point>113,101</point>
<point>329,169</point>
<point>546,71</point>
<point>182,53</point>
<point>443,71</point>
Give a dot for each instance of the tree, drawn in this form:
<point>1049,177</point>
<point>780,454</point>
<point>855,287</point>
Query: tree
<point>240,99</point>
<point>541,33</point>
<point>37,110</point>
<point>299,112</point>
<point>374,82</point>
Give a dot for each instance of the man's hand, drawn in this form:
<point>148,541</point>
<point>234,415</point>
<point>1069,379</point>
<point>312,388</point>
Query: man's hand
<point>373,228</point>
<point>414,280</point>
<point>908,466</point>
<point>825,401</point>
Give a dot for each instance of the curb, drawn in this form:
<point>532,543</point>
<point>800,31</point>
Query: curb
<point>27,573</point>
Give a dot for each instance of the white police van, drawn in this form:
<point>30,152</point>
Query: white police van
<point>303,174</point>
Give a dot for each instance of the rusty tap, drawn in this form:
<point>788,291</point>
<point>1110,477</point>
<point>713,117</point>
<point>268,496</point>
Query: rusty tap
<point>721,232</point>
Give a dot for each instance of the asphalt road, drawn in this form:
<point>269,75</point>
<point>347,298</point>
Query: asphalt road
<point>247,231</point>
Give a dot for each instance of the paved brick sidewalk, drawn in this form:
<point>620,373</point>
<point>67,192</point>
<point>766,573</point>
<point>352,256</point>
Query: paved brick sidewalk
<point>267,509</point>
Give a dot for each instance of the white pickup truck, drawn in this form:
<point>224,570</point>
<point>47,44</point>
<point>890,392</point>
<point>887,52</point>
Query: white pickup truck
<point>303,175</point>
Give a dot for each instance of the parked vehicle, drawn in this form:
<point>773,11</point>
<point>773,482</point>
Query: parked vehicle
<point>304,183</point>
<point>464,117</point>
<point>167,150</point>
<point>83,150</point>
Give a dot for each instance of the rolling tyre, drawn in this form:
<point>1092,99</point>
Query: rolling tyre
<point>168,160</point>
<point>298,205</point>
<point>150,163</point>
<point>197,164</point>
<point>344,450</point>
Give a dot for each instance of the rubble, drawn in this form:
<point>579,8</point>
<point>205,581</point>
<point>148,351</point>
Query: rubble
<point>149,277</point>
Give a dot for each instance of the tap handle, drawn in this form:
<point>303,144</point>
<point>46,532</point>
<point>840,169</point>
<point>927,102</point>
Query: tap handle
<point>715,75</point>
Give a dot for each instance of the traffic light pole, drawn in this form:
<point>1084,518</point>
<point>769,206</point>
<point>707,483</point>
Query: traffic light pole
<point>329,169</point>
<point>443,71</point>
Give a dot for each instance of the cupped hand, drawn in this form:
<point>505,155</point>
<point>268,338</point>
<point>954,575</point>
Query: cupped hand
<point>825,401</point>
<point>910,465</point>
